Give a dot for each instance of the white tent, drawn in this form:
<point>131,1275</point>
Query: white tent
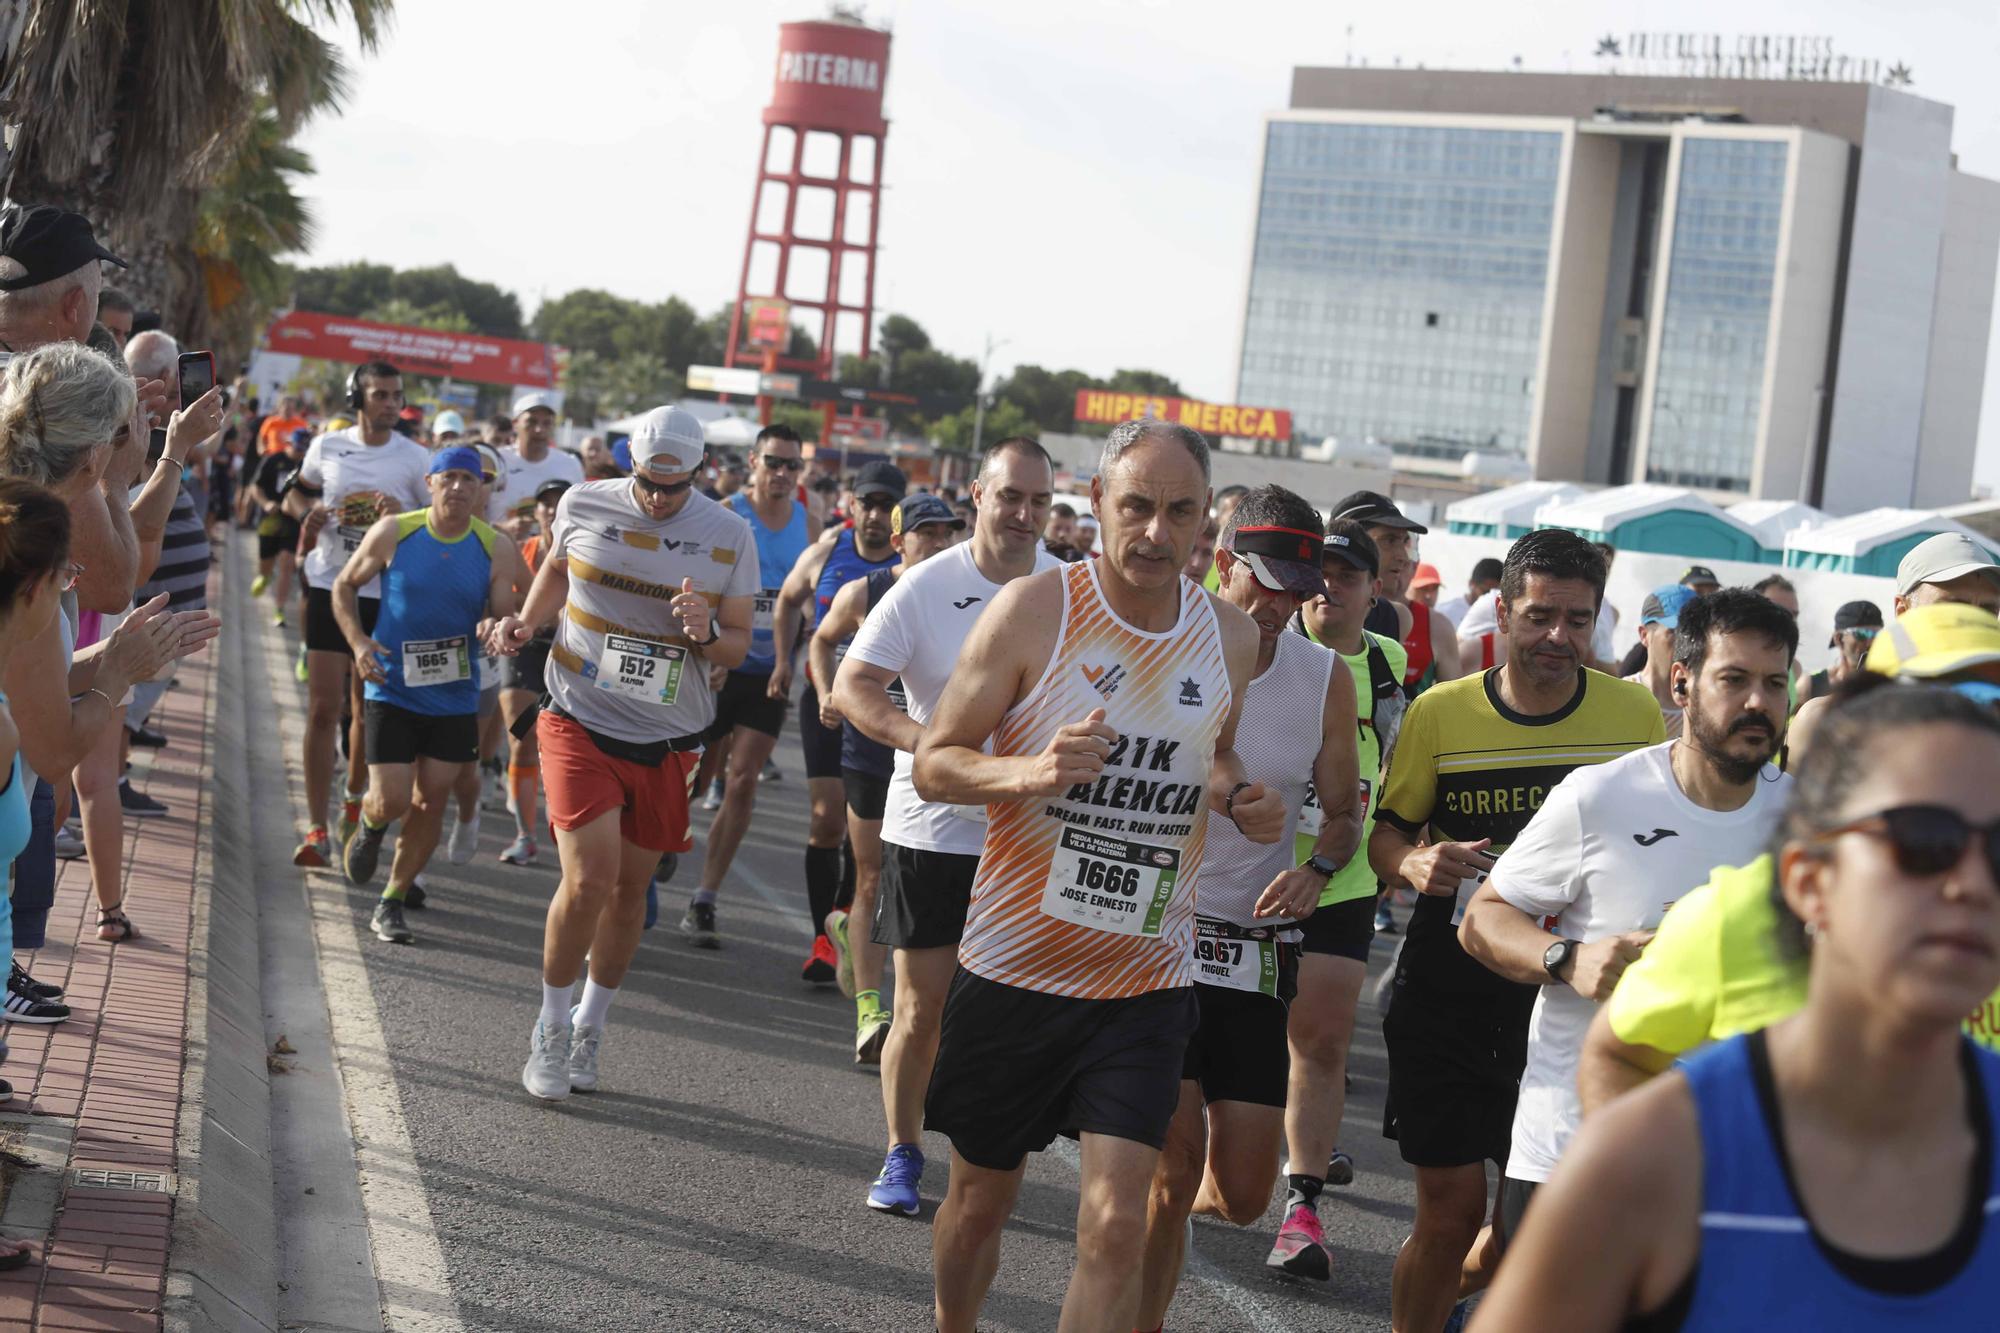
<point>731,432</point>
<point>1508,511</point>
<point>1774,520</point>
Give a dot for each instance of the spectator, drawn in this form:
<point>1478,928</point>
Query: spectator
<point>114,312</point>
<point>1485,578</point>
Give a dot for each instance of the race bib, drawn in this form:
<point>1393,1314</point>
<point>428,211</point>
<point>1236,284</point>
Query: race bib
<point>350,538</point>
<point>1463,898</point>
<point>641,669</point>
<point>1110,883</point>
<point>436,661</point>
<point>763,610</point>
<point>1312,815</point>
<point>1221,958</point>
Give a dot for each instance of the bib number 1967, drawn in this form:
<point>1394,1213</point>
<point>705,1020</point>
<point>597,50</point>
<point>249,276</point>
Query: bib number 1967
<point>641,669</point>
<point>1110,883</point>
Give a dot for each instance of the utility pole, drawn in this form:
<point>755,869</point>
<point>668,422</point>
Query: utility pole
<point>979,397</point>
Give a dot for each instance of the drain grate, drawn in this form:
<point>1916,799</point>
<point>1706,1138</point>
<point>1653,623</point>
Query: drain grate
<point>95,1178</point>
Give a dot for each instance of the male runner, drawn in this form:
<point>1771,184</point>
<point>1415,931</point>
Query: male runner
<point>1658,616</point>
<point>1221,1153</point>
<point>849,553</point>
<point>522,684</point>
<point>1473,760</point>
<point>442,572</point>
<point>930,850</point>
<point>1950,567</point>
<point>528,462</point>
<point>1613,845</point>
<point>1428,637</point>
<point>653,584</point>
<point>348,481</point>
<point>277,531</point>
<point>923,526</point>
<point>744,703</point>
<point>1333,962</point>
<point>1109,692</point>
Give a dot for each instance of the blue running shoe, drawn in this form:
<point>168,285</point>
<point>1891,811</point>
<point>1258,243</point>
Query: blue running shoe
<point>652,904</point>
<point>895,1190</point>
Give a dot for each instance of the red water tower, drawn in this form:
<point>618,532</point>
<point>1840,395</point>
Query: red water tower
<point>816,210</point>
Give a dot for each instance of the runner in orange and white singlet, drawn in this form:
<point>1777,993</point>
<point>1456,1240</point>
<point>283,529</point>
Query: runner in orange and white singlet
<point>1093,713</point>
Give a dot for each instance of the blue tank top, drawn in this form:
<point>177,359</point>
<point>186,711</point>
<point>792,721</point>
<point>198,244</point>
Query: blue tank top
<point>865,754</point>
<point>844,565</point>
<point>13,808</point>
<point>777,551</point>
<point>433,594</point>
<point>1761,1266</point>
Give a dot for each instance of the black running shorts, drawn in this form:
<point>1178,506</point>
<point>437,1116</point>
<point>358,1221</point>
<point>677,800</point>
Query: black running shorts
<point>1454,1071</point>
<point>1345,930</point>
<point>1239,1053</point>
<point>323,631</point>
<point>867,795</point>
<point>923,898</point>
<point>399,736</point>
<point>1017,1067</point>
<point>276,537</point>
<point>524,670</point>
<point>821,744</point>
<point>745,701</point>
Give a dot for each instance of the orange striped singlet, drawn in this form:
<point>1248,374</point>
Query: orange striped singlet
<point>1091,894</point>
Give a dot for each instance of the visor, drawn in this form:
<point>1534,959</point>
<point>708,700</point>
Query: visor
<point>1282,559</point>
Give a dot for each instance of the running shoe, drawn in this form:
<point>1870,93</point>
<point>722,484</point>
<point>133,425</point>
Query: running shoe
<point>1301,1246</point>
<point>843,964</point>
<point>389,925</point>
<point>258,584</point>
<point>18,979</point>
<point>819,969</point>
<point>698,924</point>
<point>278,619</point>
<point>1385,923</point>
<point>147,739</point>
<point>895,1190</point>
<point>713,801</point>
<point>350,820</point>
<point>315,851</point>
<point>771,773</point>
<point>69,844</point>
<point>463,841</point>
<point>663,873</point>
<point>1340,1170</point>
<point>871,1032</point>
<point>414,897</point>
<point>362,854</point>
<point>583,1045</point>
<point>652,904</point>
<point>495,796</point>
<point>299,667</point>
<point>520,852</point>
<point>136,803</point>
<point>22,1007</point>
<point>546,1075</point>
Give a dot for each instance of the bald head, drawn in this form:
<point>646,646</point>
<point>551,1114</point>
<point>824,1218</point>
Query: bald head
<point>153,355</point>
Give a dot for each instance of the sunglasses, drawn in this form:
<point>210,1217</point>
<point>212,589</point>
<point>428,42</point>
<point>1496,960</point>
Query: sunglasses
<point>71,574</point>
<point>884,502</point>
<point>661,488</point>
<point>773,463</point>
<point>1924,839</point>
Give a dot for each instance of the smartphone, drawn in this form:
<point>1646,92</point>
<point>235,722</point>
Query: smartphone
<point>197,371</point>
<point>156,448</point>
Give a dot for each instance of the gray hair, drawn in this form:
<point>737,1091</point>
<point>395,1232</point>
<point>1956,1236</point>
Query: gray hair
<point>37,301</point>
<point>58,404</point>
<point>153,355</point>
<point>1128,433</point>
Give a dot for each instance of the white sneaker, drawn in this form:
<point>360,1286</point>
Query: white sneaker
<point>713,801</point>
<point>494,794</point>
<point>583,1054</point>
<point>546,1075</point>
<point>69,846</point>
<point>464,840</point>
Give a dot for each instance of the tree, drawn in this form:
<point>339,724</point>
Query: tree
<point>245,221</point>
<point>954,433</point>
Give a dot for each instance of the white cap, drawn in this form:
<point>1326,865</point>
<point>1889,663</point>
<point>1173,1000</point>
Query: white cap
<point>1940,559</point>
<point>668,440</point>
<point>528,402</point>
<point>447,421</point>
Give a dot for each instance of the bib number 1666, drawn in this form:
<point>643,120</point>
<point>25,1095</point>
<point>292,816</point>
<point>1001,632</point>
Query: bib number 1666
<point>1094,874</point>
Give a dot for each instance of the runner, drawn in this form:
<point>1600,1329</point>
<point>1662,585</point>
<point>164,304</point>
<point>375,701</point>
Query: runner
<point>1110,693</point>
<point>277,531</point>
<point>1659,614</point>
<point>527,463</point>
<point>1657,820</point>
<point>1221,1153</point>
<point>1836,1171</point>
<point>847,554</point>
<point>416,665</point>
<point>923,526</point>
<point>347,481</point>
<point>744,702</point>
<point>1473,759</point>
<point>930,851</point>
<point>1429,639</point>
<point>633,567</point>
<point>1334,960</point>
<point>522,684</point>
<point>470,784</point>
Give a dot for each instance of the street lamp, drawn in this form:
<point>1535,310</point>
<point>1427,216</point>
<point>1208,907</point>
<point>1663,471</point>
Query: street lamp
<point>979,397</point>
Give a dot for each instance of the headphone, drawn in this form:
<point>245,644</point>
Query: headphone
<point>355,391</point>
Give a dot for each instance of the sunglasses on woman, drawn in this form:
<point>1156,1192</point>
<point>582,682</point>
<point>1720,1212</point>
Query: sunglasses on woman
<point>70,575</point>
<point>1925,839</point>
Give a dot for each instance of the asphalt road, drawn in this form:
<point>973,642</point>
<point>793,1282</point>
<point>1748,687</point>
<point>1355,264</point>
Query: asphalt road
<point>716,1181</point>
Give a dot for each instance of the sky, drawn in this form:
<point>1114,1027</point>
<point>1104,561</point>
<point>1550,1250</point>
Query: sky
<point>1073,179</point>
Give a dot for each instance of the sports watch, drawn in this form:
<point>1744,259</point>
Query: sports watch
<point>1320,865</point>
<point>1557,958</point>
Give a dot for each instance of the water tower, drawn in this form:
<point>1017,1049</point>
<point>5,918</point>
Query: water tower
<point>816,209</point>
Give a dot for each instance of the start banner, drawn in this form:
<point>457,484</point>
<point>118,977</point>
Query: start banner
<point>464,356</point>
<point>1107,407</point>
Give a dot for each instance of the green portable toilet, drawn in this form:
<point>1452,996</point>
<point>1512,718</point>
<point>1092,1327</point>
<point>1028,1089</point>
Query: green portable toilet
<point>1872,542</point>
<point>1507,512</point>
<point>1662,520</point>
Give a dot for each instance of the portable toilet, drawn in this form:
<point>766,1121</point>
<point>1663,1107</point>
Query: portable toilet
<point>1873,542</point>
<point>1775,520</point>
<point>1663,520</point>
<point>1507,512</point>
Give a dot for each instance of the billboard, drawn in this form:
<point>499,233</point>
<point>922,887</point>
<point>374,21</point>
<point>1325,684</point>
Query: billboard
<point>465,356</point>
<point>1106,407</point>
<point>767,321</point>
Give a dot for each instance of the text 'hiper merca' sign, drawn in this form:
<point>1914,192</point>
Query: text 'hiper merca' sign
<point>1105,407</point>
<point>419,351</point>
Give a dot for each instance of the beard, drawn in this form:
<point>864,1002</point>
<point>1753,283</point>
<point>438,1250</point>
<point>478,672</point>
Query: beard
<point>1711,737</point>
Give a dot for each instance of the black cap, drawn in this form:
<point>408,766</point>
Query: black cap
<point>881,478</point>
<point>551,490</point>
<point>48,243</point>
<point>1375,510</point>
<point>1694,574</point>
<point>1348,542</point>
<point>1857,615</point>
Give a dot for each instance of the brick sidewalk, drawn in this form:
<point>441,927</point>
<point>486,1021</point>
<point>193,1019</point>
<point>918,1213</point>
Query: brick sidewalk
<point>114,1069</point>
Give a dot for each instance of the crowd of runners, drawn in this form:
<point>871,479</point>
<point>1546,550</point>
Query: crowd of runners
<point>1696,949</point>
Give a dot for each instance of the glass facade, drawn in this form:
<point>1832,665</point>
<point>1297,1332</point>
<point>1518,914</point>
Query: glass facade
<point>1708,387</point>
<point>1397,281</point>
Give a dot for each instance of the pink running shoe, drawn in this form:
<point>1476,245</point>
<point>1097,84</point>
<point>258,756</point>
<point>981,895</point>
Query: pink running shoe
<point>1301,1246</point>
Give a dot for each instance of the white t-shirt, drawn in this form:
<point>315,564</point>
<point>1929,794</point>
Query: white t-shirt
<point>1454,610</point>
<point>918,631</point>
<point>354,480</point>
<point>1482,617</point>
<point>1607,627</point>
<point>1612,847</point>
<point>514,497</point>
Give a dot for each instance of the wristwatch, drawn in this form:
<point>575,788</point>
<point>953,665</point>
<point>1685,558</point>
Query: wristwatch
<point>1320,865</point>
<point>714,633</point>
<point>1557,958</point>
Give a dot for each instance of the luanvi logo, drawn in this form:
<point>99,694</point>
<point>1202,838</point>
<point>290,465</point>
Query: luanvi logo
<point>1191,693</point>
<point>965,602</point>
<point>1648,839</point>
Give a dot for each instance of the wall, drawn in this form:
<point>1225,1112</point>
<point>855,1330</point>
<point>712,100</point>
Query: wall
<point>1572,323</point>
<point>1960,328</point>
<point>1801,319</point>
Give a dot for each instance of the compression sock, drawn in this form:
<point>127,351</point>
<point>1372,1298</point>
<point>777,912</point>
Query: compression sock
<point>822,883</point>
<point>845,898</point>
<point>525,782</point>
<point>555,1004</point>
<point>1302,1190</point>
<point>370,824</point>
<point>595,1005</point>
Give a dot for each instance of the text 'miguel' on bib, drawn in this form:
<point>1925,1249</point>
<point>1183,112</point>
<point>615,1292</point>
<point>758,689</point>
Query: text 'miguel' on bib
<point>642,669</point>
<point>436,661</point>
<point>1223,958</point>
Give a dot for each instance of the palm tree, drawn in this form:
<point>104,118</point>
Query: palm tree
<point>248,218</point>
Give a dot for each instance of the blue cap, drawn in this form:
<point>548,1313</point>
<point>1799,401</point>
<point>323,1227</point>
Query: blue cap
<point>1664,604</point>
<point>303,435</point>
<point>917,510</point>
<point>458,458</point>
<point>621,454</point>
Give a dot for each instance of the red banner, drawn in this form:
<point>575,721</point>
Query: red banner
<point>1107,407</point>
<point>462,356</point>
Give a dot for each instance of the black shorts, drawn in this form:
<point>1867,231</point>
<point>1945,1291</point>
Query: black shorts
<point>923,897</point>
<point>821,744</point>
<point>1514,1198</point>
<point>399,736</point>
<point>524,670</point>
<point>274,539</point>
<point>1454,1072</point>
<point>1239,1053</point>
<point>867,795</point>
<point>323,631</point>
<point>1016,1067</point>
<point>745,701</point>
<point>1345,930</point>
